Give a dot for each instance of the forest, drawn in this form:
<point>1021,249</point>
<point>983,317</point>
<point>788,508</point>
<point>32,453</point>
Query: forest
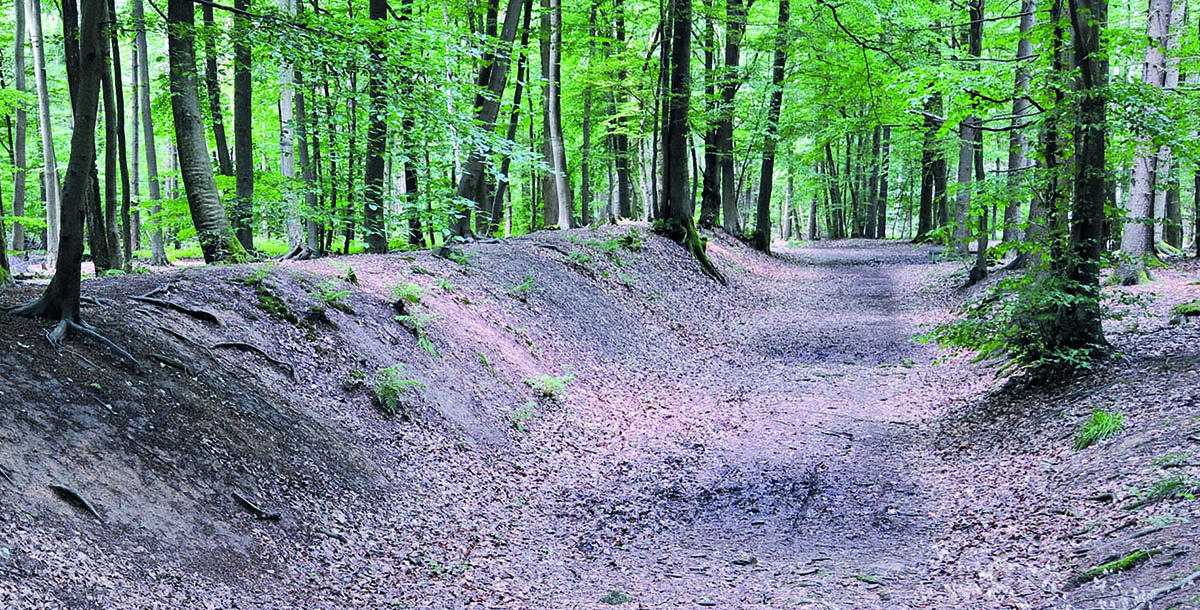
<point>483,304</point>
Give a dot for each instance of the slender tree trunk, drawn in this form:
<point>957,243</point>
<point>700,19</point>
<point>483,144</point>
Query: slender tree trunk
<point>212,83</point>
<point>1018,144</point>
<point>873,184</point>
<point>884,168</point>
<point>971,137</point>
<point>624,207</point>
<point>158,251</point>
<point>735,28</point>
<point>61,298</point>
<point>835,193</point>
<point>373,221</point>
<point>243,134</point>
<point>135,220</point>
<point>1137,240</point>
<point>514,121</point>
<point>710,200</point>
<point>762,221</point>
<point>287,142</point>
<point>312,231</point>
<point>473,171</point>
<point>22,123</point>
<point>1167,198</point>
<point>562,186</point>
<point>585,178</point>
<point>124,239</point>
<point>33,15</point>
<point>114,172</point>
<point>204,202</point>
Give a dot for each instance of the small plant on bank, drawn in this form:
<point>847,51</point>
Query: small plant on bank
<point>445,285</point>
<point>522,414</point>
<point>550,387</point>
<point>416,324</point>
<point>1101,425</point>
<point>331,296</point>
<point>521,291</point>
<point>408,293</point>
<point>392,388</point>
<point>1167,488</point>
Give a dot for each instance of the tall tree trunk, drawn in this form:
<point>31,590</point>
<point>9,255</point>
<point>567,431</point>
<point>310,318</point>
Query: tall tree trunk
<point>158,251</point>
<point>473,171</point>
<point>212,83</point>
<point>312,231</point>
<point>562,187</point>
<point>884,168</point>
<point>735,29</point>
<point>676,201</point>
<point>1167,197</point>
<point>33,17</point>
<point>930,155</point>
<point>762,221</point>
<point>1137,240</point>
<point>514,121</point>
<point>113,173</point>
<point>287,142</point>
<point>873,184</point>
<point>835,193</point>
<point>710,200</point>
<point>620,138</point>
<point>971,137</point>
<point>61,298</point>
<point>135,221</point>
<point>585,178</point>
<point>412,209</point>
<point>1018,144</point>
<point>204,202</point>
<point>1080,322</point>
<point>124,236</point>
<point>22,123</point>
<point>243,133</point>
<point>373,221</point>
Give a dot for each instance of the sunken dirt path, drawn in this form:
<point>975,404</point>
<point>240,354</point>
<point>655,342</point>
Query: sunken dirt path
<point>777,457</point>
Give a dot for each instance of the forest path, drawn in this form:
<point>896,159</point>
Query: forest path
<point>778,461</point>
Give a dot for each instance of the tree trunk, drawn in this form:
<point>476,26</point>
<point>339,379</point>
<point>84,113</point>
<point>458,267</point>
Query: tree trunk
<point>884,168</point>
<point>1167,199</point>
<point>473,171</point>
<point>208,214</point>
<point>1137,240</point>
<point>312,231</point>
<point>1018,144</point>
<point>971,137</point>
<point>61,298</point>
<point>158,252</point>
<point>33,15</point>
<point>287,142</point>
<point>735,26</point>
<point>873,184</point>
<point>224,164</point>
<point>514,121</point>
<point>373,222</point>
<point>620,138</point>
<point>135,224</point>
<point>710,199</point>
<point>412,210</point>
<point>762,221</point>
<point>585,178</point>
<point>835,193</point>
<point>562,187</point>
<point>243,133</point>
<point>1080,322</point>
<point>124,237</point>
<point>926,215</point>
<point>113,172</point>
<point>22,123</point>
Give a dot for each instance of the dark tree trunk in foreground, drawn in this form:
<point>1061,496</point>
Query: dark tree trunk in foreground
<point>735,14</point>
<point>676,206</point>
<point>762,226</point>
<point>473,171</point>
<point>514,120</point>
<point>208,214</point>
<point>125,238</point>
<point>212,84</point>
<point>61,298</point>
<point>710,199</point>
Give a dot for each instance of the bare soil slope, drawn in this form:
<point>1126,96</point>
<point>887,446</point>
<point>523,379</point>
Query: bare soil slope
<point>591,421</point>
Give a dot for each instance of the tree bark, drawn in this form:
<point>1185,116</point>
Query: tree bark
<point>1018,144</point>
<point>113,170</point>
<point>1137,239</point>
<point>22,125</point>
<point>293,224</point>
<point>243,134</point>
<point>562,187</point>
<point>873,184</point>
<point>158,252</point>
<point>927,211</point>
<point>762,221</point>
<point>881,203</point>
<point>33,15</point>
<point>61,298</point>
<point>710,199</point>
<point>473,171</point>
<point>208,214</point>
<point>971,137</point>
<point>373,221</point>
<point>735,26</point>
<point>514,121</point>
<point>212,83</point>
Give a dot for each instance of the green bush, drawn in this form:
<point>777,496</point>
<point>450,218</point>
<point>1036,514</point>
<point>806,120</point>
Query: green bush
<point>550,387</point>
<point>1030,322</point>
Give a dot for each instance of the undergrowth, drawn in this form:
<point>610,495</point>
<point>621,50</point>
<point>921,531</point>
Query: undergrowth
<point>393,388</point>
<point>1101,425</point>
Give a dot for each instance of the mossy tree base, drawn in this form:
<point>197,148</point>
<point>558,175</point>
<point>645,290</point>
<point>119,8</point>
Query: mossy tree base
<point>685,234</point>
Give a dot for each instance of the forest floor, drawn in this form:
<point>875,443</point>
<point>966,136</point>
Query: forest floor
<point>583,420</point>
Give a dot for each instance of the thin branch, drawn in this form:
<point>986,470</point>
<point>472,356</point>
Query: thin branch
<point>862,43</point>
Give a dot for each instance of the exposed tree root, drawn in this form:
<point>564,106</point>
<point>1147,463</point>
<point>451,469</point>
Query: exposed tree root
<point>1166,590</point>
<point>199,314</point>
<point>187,370</point>
<point>254,508</point>
<point>549,246</point>
<point>254,348</point>
<point>330,534</point>
<point>7,475</point>
<point>72,497</point>
<point>59,333</point>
